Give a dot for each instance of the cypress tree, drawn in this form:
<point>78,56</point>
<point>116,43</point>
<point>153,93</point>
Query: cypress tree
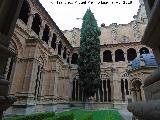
<point>89,56</point>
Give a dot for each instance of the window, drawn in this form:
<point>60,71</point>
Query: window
<point>46,34</point>
<point>74,58</point>
<point>131,54</point>
<point>107,56</point>
<point>143,51</point>
<point>119,55</point>
<point>59,48</point>
<point>53,43</point>
<point>24,13</point>
<point>36,24</point>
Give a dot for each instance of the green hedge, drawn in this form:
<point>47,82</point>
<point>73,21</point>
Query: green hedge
<point>62,116</point>
<point>88,116</point>
<point>36,116</point>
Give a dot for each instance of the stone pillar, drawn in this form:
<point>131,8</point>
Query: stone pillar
<point>101,57</point>
<point>98,96</point>
<point>70,58</point>
<point>56,84</point>
<point>75,89</point>
<point>125,57</point>
<point>113,57</point>
<point>116,87</point>
<point>56,50</point>
<point>50,39</point>
<point>41,30</point>
<point>102,91</point>
<point>9,11</point>
<point>30,20</point>
<point>62,50</point>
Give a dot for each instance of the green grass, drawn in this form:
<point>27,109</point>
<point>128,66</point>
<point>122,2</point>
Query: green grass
<point>98,114</point>
<point>84,115</point>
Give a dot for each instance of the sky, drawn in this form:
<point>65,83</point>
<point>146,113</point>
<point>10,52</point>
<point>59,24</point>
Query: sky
<point>68,14</point>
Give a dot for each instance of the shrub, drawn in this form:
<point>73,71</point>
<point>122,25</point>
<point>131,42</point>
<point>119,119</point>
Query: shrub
<point>65,116</point>
<point>36,116</point>
<point>88,116</point>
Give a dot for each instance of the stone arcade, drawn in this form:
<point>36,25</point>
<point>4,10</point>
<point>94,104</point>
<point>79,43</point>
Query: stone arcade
<point>44,75</point>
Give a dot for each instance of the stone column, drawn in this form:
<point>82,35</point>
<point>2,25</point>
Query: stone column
<point>125,57</point>
<point>75,89</point>
<point>56,50</point>
<point>98,96</point>
<point>62,50</point>
<point>101,57</point>
<point>41,30</point>
<point>70,58</point>
<point>113,57</point>
<point>102,91</point>
<point>116,87</point>
<point>30,20</point>
<point>50,39</point>
<point>9,11</point>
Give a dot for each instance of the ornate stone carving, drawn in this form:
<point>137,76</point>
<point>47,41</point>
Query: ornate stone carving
<point>114,31</point>
<point>136,32</point>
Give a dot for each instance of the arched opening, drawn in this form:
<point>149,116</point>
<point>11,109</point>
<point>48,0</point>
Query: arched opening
<point>74,58</point>
<point>143,50</point>
<point>104,90</point>
<point>54,40</point>
<point>136,90</point>
<point>36,24</point>
<point>119,55</point>
<point>131,54</point>
<point>64,53</point>
<point>126,87</point>
<point>109,90</point>
<point>45,36</point>
<point>122,90</point>
<point>107,56</point>
<point>59,48</point>
<point>73,90</point>
<point>77,93</point>
<point>68,60</point>
<point>24,13</point>
<point>101,92</point>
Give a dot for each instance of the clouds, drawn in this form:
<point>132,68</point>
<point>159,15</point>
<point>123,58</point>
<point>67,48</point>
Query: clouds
<point>65,14</point>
